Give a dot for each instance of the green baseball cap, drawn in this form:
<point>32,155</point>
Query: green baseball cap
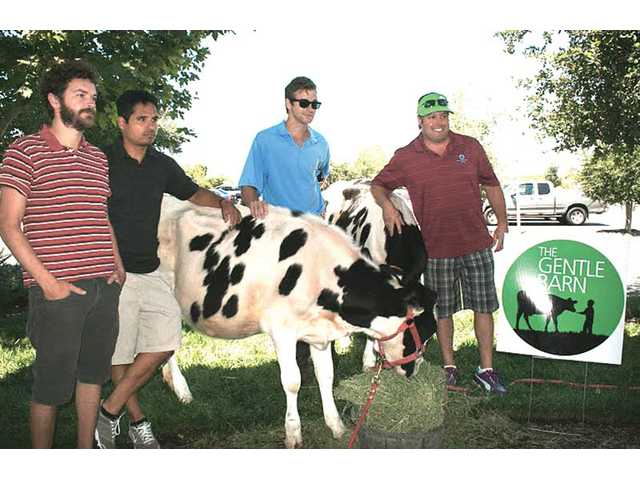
<point>432,102</point>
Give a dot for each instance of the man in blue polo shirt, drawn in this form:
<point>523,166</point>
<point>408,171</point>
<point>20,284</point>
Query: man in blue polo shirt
<point>288,161</point>
<point>286,165</point>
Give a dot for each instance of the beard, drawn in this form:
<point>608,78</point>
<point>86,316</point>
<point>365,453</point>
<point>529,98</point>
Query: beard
<point>75,120</point>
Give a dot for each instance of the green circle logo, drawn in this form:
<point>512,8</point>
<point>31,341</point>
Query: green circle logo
<point>563,297</point>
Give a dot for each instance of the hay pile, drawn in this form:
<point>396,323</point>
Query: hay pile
<point>400,405</point>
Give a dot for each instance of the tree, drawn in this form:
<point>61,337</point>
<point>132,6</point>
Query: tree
<point>613,178</point>
<point>369,162</point>
<point>552,175</point>
<point>198,174</point>
<point>163,62</point>
<point>586,96</point>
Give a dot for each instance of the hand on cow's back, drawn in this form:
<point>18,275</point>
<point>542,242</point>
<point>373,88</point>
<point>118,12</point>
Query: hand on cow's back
<point>259,209</point>
<point>392,218</point>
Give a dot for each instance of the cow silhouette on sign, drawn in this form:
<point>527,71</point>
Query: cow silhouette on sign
<point>527,307</point>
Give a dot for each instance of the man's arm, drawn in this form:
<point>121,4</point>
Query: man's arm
<point>259,208</point>
<point>12,208</point>
<point>496,200</point>
<point>391,216</point>
<point>205,198</point>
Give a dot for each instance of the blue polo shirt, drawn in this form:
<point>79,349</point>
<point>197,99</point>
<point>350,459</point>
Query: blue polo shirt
<point>284,173</point>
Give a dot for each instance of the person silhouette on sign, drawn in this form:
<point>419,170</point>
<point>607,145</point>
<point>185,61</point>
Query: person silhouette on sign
<point>588,313</point>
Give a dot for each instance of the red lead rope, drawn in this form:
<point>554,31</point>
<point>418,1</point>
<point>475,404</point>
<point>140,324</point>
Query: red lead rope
<point>375,381</point>
<point>384,363</point>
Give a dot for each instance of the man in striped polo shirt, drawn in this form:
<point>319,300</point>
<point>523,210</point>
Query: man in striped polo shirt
<point>54,187</point>
<point>443,172</point>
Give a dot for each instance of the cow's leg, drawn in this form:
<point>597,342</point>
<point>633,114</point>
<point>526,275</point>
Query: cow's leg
<point>323,367</point>
<point>290,377</point>
<point>368,356</point>
<point>526,319</point>
<point>518,319</point>
<point>173,377</point>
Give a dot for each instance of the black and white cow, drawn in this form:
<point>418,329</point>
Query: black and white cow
<point>351,207</point>
<point>551,306</point>
<point>293,277</point>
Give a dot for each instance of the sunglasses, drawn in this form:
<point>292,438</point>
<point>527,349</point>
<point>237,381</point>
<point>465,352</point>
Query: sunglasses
<point>432,103</point>
<point>304,103</point>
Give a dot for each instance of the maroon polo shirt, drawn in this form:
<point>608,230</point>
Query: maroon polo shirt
<point>445,193</point>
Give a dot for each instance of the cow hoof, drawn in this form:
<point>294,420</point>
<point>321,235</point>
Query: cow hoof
<point>293,442</point>
<point>338,429</point>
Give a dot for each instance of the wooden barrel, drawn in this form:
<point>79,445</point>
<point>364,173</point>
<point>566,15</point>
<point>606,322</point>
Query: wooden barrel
<point>368,438</point>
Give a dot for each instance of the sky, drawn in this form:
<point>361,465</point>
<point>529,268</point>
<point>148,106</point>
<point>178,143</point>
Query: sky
<point>369,81</point>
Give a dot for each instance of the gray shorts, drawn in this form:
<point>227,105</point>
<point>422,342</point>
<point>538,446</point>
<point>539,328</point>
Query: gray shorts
<point>73,338</point>
<point>150,317</point>
<point>462,283</point>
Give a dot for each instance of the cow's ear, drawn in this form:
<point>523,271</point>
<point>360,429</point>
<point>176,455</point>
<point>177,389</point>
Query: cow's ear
<point>350,193</point>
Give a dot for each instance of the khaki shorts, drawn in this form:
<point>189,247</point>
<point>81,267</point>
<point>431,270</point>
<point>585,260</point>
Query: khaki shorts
<point>150,318</point>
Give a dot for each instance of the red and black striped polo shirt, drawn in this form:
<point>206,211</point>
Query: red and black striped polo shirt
<point>65,219</point>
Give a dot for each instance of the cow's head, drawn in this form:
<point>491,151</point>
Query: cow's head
<point>376,300</point>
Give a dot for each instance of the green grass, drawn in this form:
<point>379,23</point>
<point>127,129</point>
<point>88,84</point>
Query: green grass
<point>239,403</point>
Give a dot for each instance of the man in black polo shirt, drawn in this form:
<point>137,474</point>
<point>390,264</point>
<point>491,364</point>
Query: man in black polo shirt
<point>150,326</point>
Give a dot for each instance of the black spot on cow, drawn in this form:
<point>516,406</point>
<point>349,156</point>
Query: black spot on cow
<point>247,231</point>
<point>290,279</point>
<point>329,300</point>
<point>237,273</point>
<point>292,243</point>
<point>296,213</point>
<point>211,258</point>
<point>242,242</point>
<point>366,230</point>
<point>361,216</point>
<point>331,218</point>
<point>200,242</point>
<point>406,250</point>
<point>231,307</point>
<point>344,220</point>
<point>258,231</point>
<point>195,312</point>
<point>217,282</point>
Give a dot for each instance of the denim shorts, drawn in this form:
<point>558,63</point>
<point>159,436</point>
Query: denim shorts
<point>73,337</point>
<point>464,282</point>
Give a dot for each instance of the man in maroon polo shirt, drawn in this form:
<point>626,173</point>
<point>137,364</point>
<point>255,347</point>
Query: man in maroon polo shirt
<point>443,172</point>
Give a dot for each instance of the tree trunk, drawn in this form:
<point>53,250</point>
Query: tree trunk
<point>629,216</point>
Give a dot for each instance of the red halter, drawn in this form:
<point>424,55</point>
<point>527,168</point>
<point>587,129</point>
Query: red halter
<point>411,325</point>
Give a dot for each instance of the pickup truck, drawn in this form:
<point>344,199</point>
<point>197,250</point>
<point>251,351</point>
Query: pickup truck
<point>540,200</point>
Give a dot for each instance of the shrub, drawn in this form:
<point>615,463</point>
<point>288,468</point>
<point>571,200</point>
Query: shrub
<point>13,295</point>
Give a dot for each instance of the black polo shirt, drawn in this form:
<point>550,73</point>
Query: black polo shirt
<point>136,196</point>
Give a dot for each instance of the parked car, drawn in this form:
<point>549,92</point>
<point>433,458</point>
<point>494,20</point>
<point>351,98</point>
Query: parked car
<point>227,191</point>
<point>540,200</point>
